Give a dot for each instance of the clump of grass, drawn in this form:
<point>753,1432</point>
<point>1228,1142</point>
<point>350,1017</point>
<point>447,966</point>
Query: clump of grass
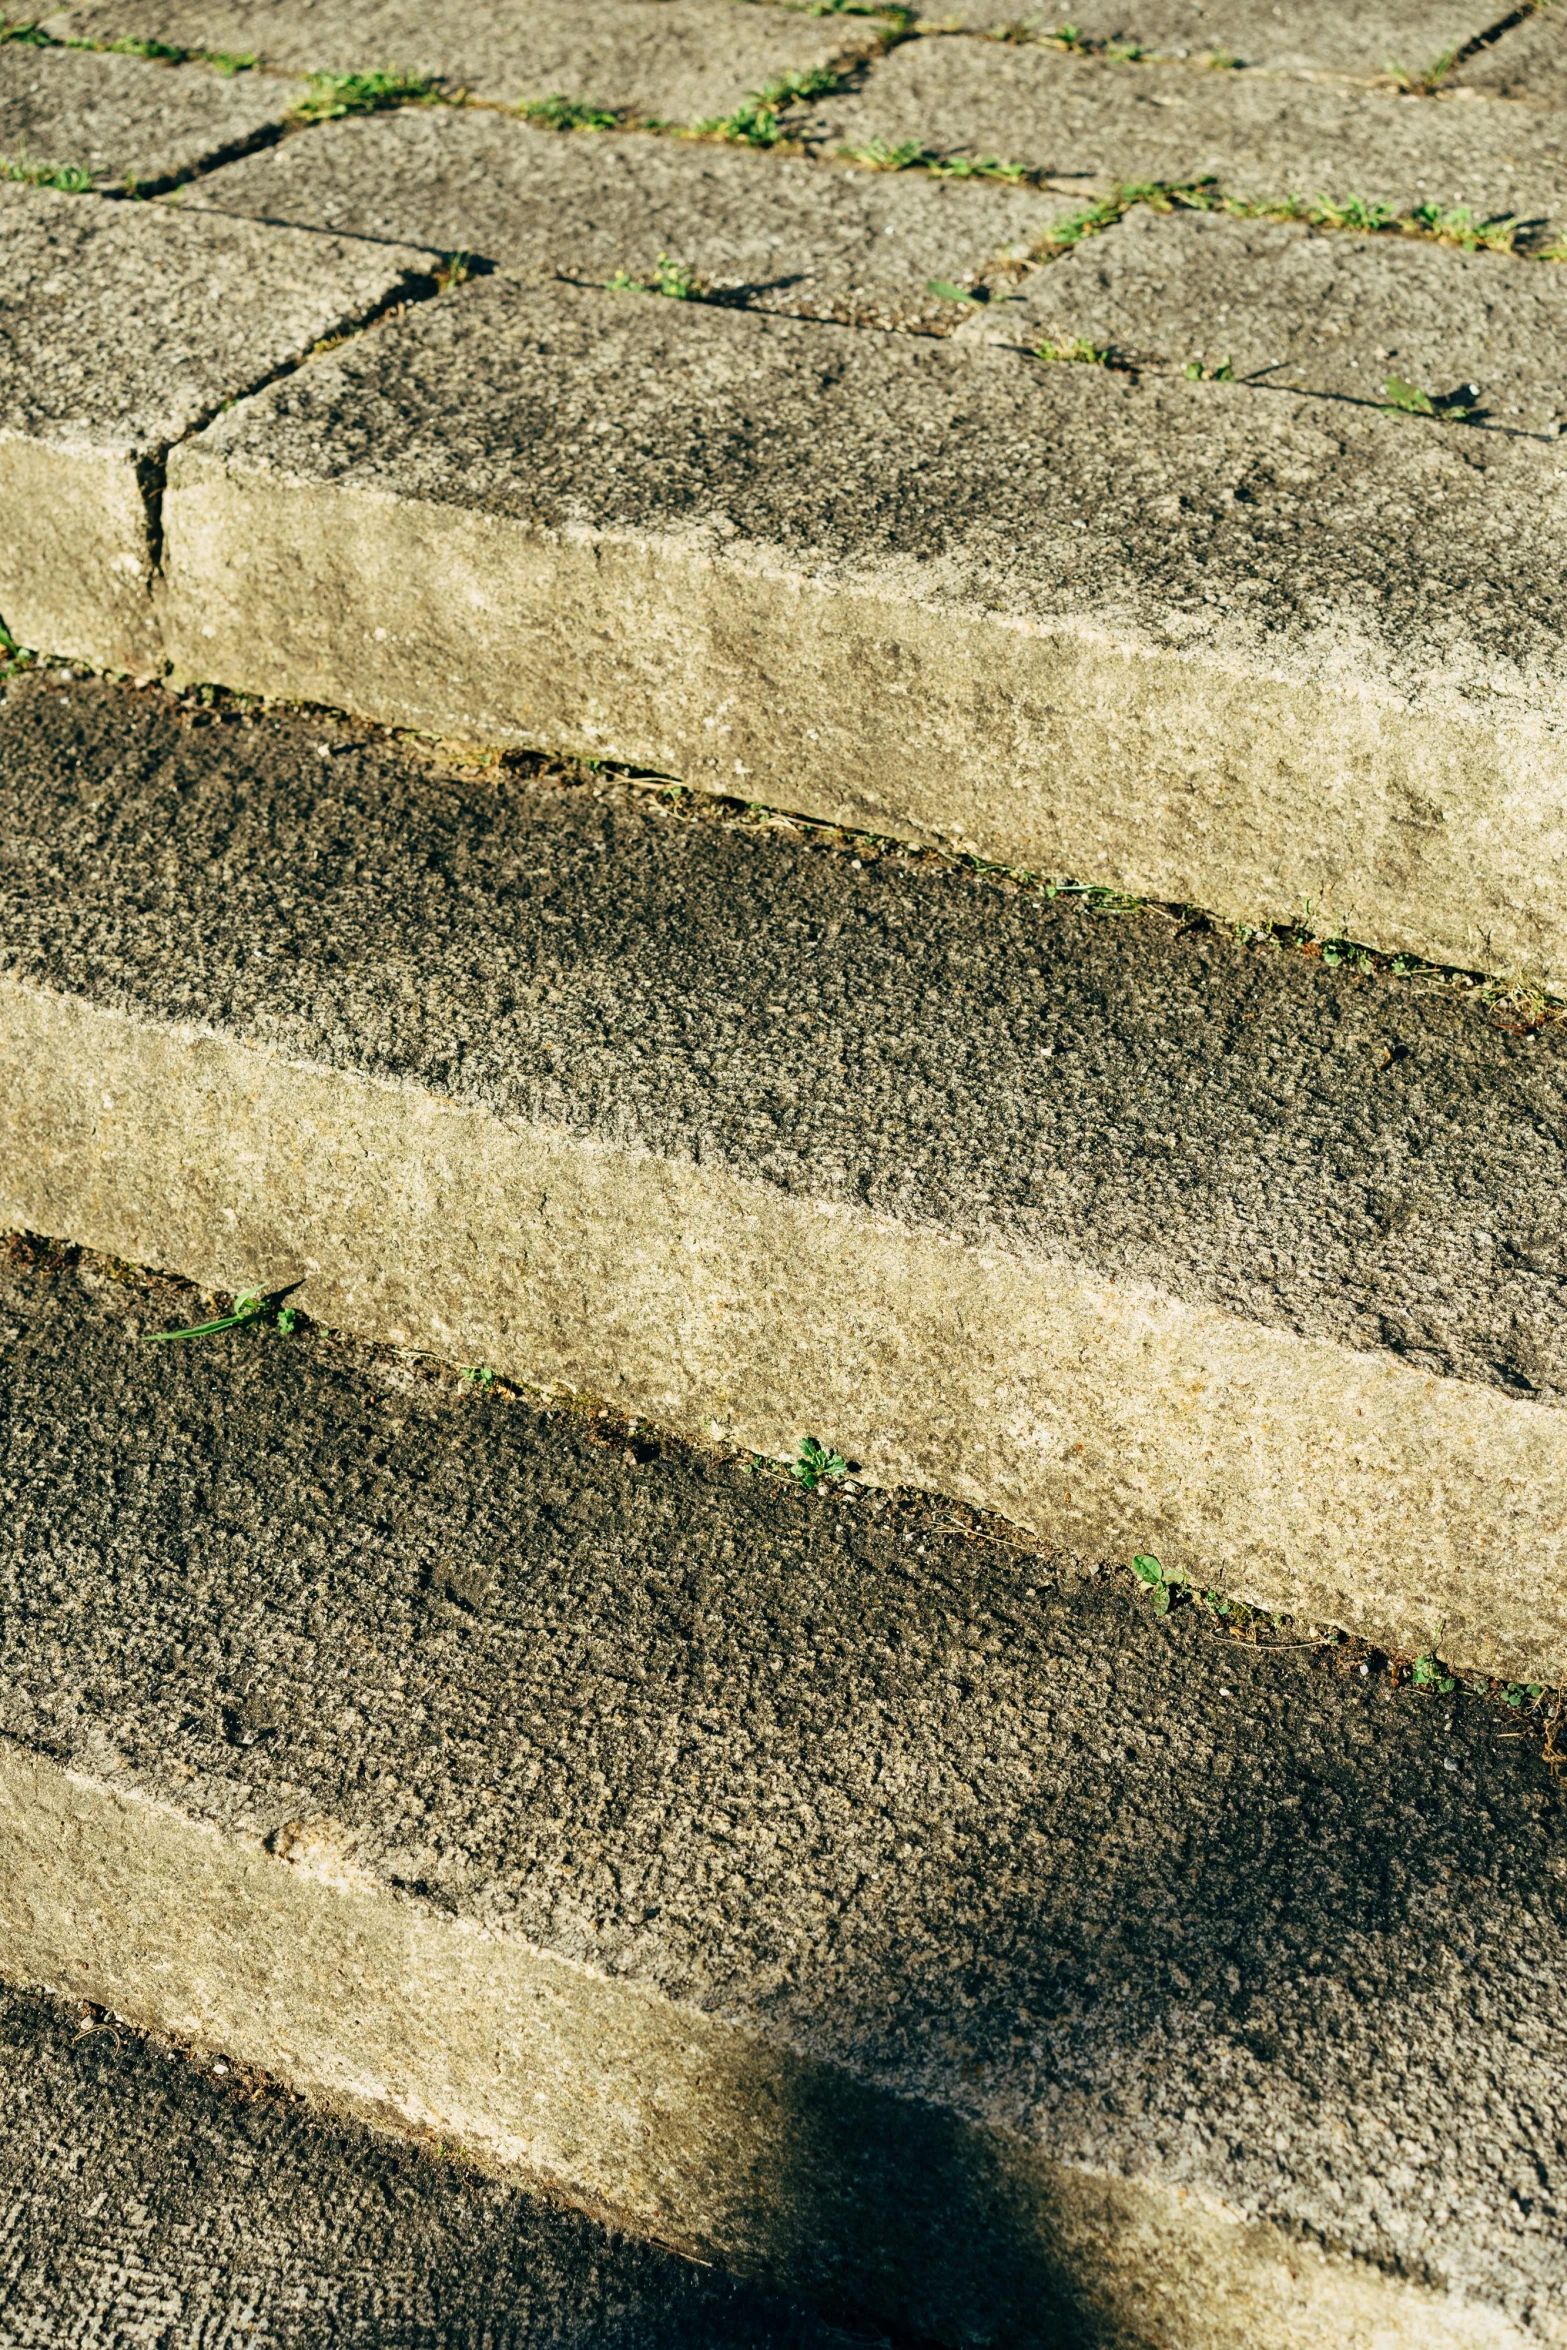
<point>331,95</point>
<point>26,31</point>
<point>759,120</point>
<point>70,178</point>
<point>1079,352</point>
<point>156,52</point>
<point>559,113</point>
<point>1450,407</point>
<point>1424,81</point>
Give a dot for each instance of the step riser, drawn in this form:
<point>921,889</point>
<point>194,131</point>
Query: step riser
<point>678,2125</point>
<point>76,557</point>
<point>1065,747</point>
<point>1294,1473</point>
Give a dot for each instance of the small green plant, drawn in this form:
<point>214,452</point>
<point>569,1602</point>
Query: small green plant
<point>817,1466</point>
<point>1162,1581</point>
<point>231,61</point>
<point>156,52</point>
<point>1426,1673</point>
<point>252,1305</point>
<point>1451,407</point>
<point>1069,37</point>
<point>13,655</point>
<point>28,32</point>
<point>330,95</point>
<point>946,291</point>
<point>1196,373</point>
<point>1221,61</point>
<point>1423,81</point>
<point>69,178</point>
<point>879,155</point>
<point>1077,353</point>
<point>1124,52</point>
<point>1458,225</point>
<point>455,270</point>
<point>558,113</point>
<point>477,1374</point>
<point>758,120</point>
<point>979,167</point>
<point>1519,1693</point>
<point>673,279</point>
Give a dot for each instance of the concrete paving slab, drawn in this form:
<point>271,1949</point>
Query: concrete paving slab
<point>127,326</point>
<point>124,122</point>
<point>879,1910</point>
<point>1156,1242</point>
<point>772,232</point>
<point>153,2193</point>
<point>1232,652</point>
<point>1529,63</point>
<point>1337,38</point>
<point>1291,308</point>
<point>1263,135</point>
<point>676,60</point>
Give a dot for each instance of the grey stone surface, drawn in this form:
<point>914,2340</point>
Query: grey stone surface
<point>676,60</point>
<point>123,330</point>
<point>126,326</point>
<point>1337,37</point>
<point>1530,62</point>
<point>1295,309</point>
<point>1235,652</point>
<point>775,232</point>
<point>1013,1893</point>
<point>149,2195</point>
<point>1147,1239</point>
<point>1263,135</point>
<point>126,122</point>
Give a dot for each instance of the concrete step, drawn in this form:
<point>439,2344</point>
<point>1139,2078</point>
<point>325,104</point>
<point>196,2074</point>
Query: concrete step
<point>1158,1238</point>
<point>128,327</point>
<point>681,61</point>
<point>1133,630</point>
<point>816,1881</point>
<point>157,2193</point>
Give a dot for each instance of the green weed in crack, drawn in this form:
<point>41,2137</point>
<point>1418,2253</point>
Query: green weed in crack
<point>328,96</point>
<point>559,113</point>
<point>71,179</point>
<point>252,1305</point>
<point>759,119</point>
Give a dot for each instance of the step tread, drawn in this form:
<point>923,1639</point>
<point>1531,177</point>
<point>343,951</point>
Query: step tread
<point>124,121</point>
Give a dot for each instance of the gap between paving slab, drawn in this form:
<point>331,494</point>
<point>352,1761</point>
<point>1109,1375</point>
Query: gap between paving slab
<point>123,122</point>
<point>890,1914</point>
<point>1218,650</point>
<point>1181,1248</point>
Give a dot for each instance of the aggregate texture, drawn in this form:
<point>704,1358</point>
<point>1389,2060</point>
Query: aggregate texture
<point>1087,121</point>
<point>1338,39</point>
<point>1235,652</point>
<point>1141,1234</point>
<point>126,326</point>
<point>152,2196</point>
<point>896,1914</point>
<point>1289,308</point>
<point>1530,63</point>
<point>766,231</point>
<point>128,123</point>
<point>681,61</point>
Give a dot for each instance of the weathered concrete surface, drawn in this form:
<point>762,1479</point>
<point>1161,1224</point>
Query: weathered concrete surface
<point>152,2195</point>
<point>126,326</point>
<point>1530,63</point>
<point>126,122</point>
<point>1296,309</point>
<point>773,232</point>
<point>1263,135</point>
<point>1159,1243</point>
<point>1338,38</point>
<point>1223,650</point>
<point>893,1915</point>
<point>673,60</point>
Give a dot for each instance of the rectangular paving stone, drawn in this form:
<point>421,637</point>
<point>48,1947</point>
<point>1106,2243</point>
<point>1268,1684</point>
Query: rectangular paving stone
<point>678,60</point>
<point>127,123</point>
<point>1291,308</point>
<point>1529,63</point>
<point>1154,1242</point>
<point>1231,652</point>
<point>773,232</point>
<point>126,327</point>
<point>150,2185</point>
<point>1260,134</point>
<point>1330,36</point>
<point>895,1916</point>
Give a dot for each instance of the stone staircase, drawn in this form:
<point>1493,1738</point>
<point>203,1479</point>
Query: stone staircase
<point>783,793</point>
